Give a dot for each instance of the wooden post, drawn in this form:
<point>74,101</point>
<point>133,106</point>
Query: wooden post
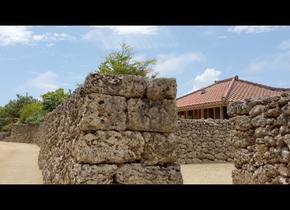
<point>202,113</point>
<point>214,117</point>
<point>221,112</point>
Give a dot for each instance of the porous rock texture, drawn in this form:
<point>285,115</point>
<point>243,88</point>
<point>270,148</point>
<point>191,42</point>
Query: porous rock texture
<point>111,130</point>
<point>261,137</point>
<point>203,140</point>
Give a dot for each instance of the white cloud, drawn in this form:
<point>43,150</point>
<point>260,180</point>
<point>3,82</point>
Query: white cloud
<point>252,29</point>
<point>12,35</point>
<point>206,78</point>
<point>284,45</point>
<point>277,61</point>
<point>45,82</point>
<point>131,29</point>
<point>142,37</point>
<point>172,64</point>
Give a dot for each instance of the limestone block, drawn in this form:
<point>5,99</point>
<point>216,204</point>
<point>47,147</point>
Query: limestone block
<point>103,112</point>
<point>257,110</point>
<point>242,156</point>
<point>242,122</point>
<point>259,121</point>
<point>152,115</point>
<point>136,173</point>
<point>273,112</point>
<point>159,148</point>
<point>97,174</point>
<point>109,147</point>
<point>161,88</point>
<point>121,85</point>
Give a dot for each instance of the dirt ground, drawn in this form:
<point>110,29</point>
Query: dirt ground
<point>18,165</point>
<point>207,173</point>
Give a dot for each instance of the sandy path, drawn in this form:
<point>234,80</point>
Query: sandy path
<point>207,173</point>
<point>18,163</point>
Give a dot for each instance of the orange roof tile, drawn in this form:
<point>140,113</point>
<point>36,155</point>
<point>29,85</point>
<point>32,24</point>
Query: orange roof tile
<point>227,90</point>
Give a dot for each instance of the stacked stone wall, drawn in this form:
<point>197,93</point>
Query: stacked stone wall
<point>261,136</point>
<point>113,129</point>
<point>5,137</point>
<point>203,140</point>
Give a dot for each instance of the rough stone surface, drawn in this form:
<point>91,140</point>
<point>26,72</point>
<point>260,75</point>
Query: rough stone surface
<point>109,147</point>
<point>100,134</point>
<point>103,112</point>
<point>152,115</point>
<point>122,85</point>
<point>161,88</point>
<point>203,140</point>
<point>261,139</point>
<point>156,174</point>
<point>5,137</point>
<point>159,148</point>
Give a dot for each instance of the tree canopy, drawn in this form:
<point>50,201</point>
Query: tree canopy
<point>121,62</point>
<point>28,110</point>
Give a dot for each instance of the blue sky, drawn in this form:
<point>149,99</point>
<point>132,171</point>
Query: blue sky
<point>37,59</point>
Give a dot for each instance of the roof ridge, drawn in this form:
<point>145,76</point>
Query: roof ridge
<point>224,80</point>
<point>226,95</point>
<point>264,86</point>
<point>215,82</point>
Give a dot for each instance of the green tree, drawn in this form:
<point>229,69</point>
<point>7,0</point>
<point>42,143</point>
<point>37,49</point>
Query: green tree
<point>121,63</point>
<point>32,114</point>
<point>52,99</point>
<point>10,113</point>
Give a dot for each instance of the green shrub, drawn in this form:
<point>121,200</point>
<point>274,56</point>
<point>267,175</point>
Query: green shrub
<point>121,63</point>
<point>53,98</point>
<point>32,114</point>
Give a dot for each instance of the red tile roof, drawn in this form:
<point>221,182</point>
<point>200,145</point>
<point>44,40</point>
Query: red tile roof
<point>227,90</point>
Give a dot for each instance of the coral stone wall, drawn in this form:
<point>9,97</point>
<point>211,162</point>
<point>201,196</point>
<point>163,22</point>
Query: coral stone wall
<point>203,140</point>
<point>261,136</point>
<point>112,129</point>
<point>5,137</point>
<point>24,133</point>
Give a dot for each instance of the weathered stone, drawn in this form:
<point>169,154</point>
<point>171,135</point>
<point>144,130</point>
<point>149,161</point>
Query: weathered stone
<point>256,110</point>
<point>109,147</point>
<point>242,139</point>
<point>159,148</point>
<point>286,109</point>
<point>103,112</point>
<point>284,170</point>
<point>261,132</point>
<point>203,140</point>
<point>121,85</point>
<point>242,122</point>
<point>136,173</point>
<point>152,115</point>
<point>97,174</point>
<point>259,121</point>
<point>87,137</point>
<point>161,88</point>
<point>270,170</point>
<point>241,157</point>
<point>286,139</point>
<point>273,112</point>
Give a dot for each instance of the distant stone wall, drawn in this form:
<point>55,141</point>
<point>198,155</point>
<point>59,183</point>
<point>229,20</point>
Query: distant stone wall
<point>203,140</point>
<point>261,136</point>
<point>113,129</point>
<point>24,133</point>
<point>5,137</point>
